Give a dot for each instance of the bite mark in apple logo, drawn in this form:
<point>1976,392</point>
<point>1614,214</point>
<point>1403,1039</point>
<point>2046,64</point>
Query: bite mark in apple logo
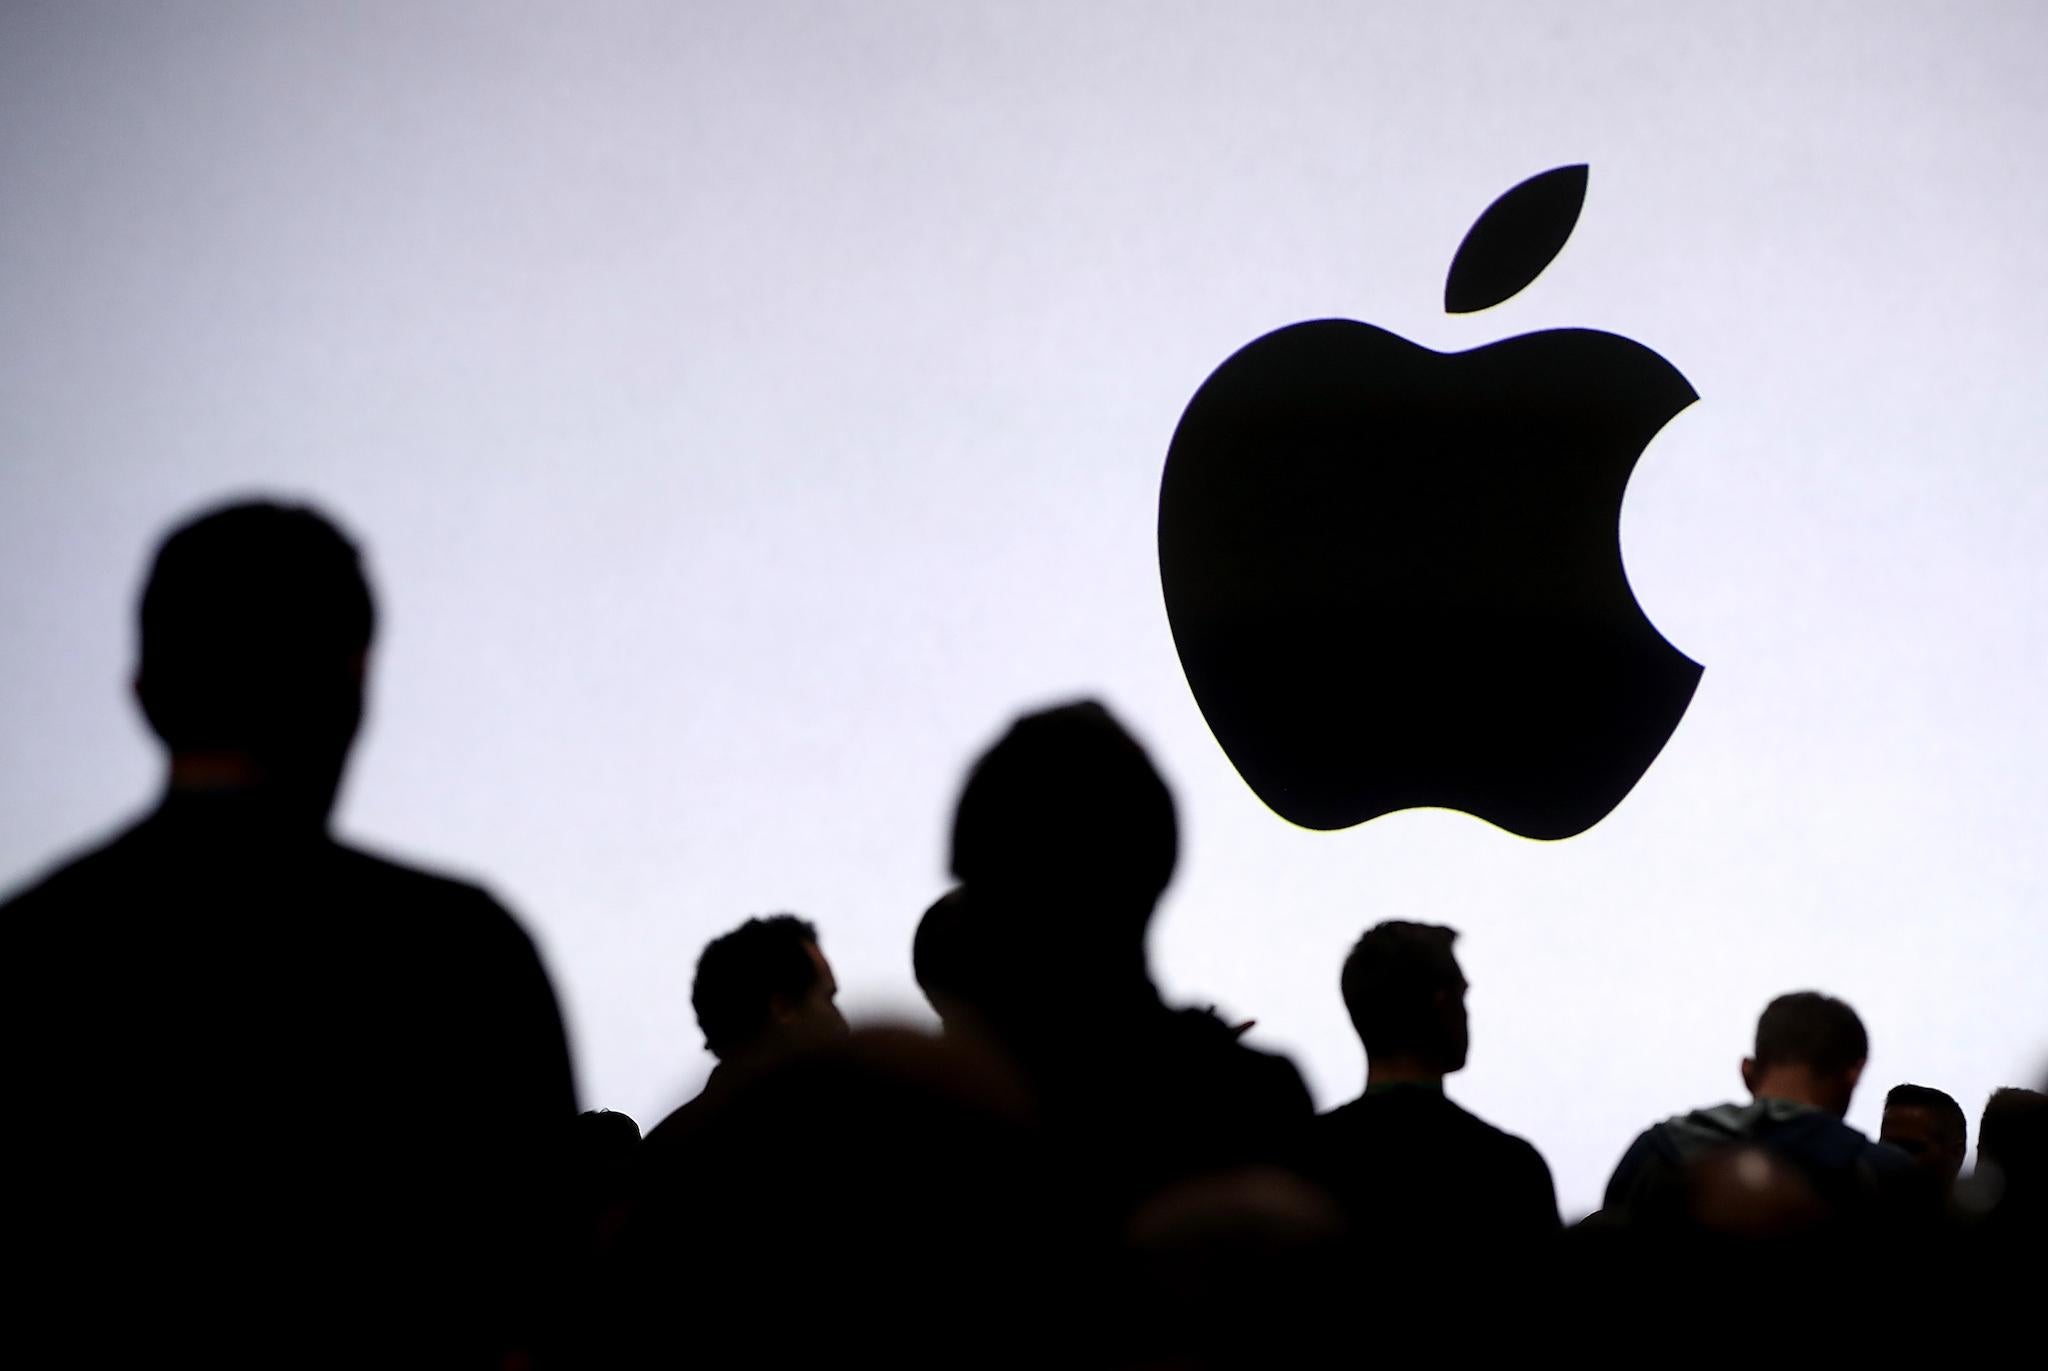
<point>1394,575</point>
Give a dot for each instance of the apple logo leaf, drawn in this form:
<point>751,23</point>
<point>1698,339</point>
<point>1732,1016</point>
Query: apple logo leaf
<point>1510,244</point>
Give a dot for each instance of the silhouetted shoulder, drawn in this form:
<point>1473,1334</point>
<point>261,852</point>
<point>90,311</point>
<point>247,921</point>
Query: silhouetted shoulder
<point>1423,1113</point>
<point>465,906</point>
<point>1409,1156</point>
<point>1268,1079</point>
<point>81,875</point>
<point>477,969</point>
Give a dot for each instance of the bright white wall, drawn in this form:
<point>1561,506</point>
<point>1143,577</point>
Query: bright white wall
<point>748,407</point>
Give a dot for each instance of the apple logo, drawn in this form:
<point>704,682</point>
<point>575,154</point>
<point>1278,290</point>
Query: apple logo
<point>1394,575</point>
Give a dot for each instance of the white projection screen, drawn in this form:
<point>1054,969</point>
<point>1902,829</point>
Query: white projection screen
<point>745,409</point>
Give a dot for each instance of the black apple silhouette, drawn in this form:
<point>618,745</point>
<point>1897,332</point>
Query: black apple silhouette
<point>1394,575</point>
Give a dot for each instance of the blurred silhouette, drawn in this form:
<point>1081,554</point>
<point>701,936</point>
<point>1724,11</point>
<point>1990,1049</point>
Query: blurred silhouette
<point>2012,1164</point>
<point>329,1081</point>
<point>1411,1169</point>
<point>1746,1194</point>
<point>1065,837</point>
<point>879,1192</point>
<point>941,958</point>
<point>1810,1053</point>
<point>1237,1269</point>
<point>1928,1126</point>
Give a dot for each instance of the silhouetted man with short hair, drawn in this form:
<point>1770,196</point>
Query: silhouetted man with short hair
<point>1928,1126</point>
<point>328,1079</point>
<point>1409,1167</point>
<point>1809,1055</point>
<point>1065,836</point>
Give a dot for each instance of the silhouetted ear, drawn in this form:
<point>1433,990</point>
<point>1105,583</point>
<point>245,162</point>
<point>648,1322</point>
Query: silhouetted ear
<point>1749,1074</point>
<point>1509,245</point>
<point>1855,1075</point>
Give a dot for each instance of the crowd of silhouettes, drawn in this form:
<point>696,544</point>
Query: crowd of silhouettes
<point>346,1129</point>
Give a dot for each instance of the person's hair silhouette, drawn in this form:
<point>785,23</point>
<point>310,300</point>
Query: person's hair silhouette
<point>1810,1048</point>
<point>1066,809</point>
<point>1406,997</point>
<point>238,963</point>
<point>1928,1126</point>
<point>763,983</point>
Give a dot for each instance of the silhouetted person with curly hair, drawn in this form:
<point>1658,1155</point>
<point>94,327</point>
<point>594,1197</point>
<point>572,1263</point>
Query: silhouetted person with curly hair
<point>763,992</point>
<point>327,1079</point>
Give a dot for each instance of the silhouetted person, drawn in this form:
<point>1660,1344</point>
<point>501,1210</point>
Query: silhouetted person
<point>763,992</point>
<point>1928,1126</point>
<point>1411,1169</point>
<point>2012,1164</point>
<point>326,1082</point>
<point>765,999</point>
<point>1065,836</point>
<point>1810,1053</point>
<point>950,957</point>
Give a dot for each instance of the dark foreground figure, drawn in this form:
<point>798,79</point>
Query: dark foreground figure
<point>1065,837</point>
<point>324,1082</point>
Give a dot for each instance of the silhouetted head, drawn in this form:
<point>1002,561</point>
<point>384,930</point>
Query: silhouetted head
<point>1810,1049</point>
<point>1928,1126</point>
<point>2014,1135</point>
<point>942,958</point>
<point>1067,812</point>
<point>256,622</point>
<point>766,988</point>
<point>1406,995</point>
<point>602,1144</point>
<point>604,1137</point>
